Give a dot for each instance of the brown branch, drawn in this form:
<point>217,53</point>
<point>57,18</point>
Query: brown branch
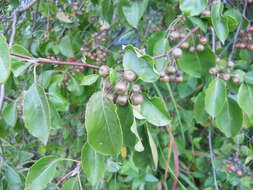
<point>81,64</point>
<point>53,62</point>
<point>179,44</point>
<point>238,29</point>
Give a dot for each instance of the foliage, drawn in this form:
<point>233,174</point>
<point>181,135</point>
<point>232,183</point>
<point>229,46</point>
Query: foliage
<point>126,94</point>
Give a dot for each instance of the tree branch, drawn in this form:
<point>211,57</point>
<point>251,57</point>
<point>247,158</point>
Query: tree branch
<point>212,158</point>
<point>179,44</point>
<point>238,30</point>
<point>15,15</point>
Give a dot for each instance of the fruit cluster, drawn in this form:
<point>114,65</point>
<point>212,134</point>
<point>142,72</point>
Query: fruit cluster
<point>199,47</point>
<point>172,74</point>
<point>121,92</point>
<point>98,51</point>
<point>235,165</point>
<point>225,74</point>
<point>245,41</point>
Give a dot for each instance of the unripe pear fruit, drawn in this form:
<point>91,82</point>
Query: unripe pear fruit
<point>136,88</point>
<point>121,87</point>
<point>177,52</point>
<point>129,76</point>
<point>104,70</point>
<point>122,100</point>
<point>137,99</point>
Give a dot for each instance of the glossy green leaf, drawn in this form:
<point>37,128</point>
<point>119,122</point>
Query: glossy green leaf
<point>134,11</point>
<point>89,79</point>
<point>55,94</point>
<point>219,22</point>
<point>154,111</point>
<point>74,86</point>
<point>200,114</point>
<point>126,123</point>
<point>41,173</point>
<point>245,98</point>
<point>215,97</point>
<point>103,125</point>
<point>197,64</point>
<point>153,148</point>
<point>18,66</point>
<point>5,62</point>
<point>233,17</point>
<point>192,7</point>
<point>13,179</point>
<point>229,120</point>
<point>10,114</point>
<point>37,116</point>
<point>71,184</point>
<point>198,22</point>
<point>138,145</point>
<point>65,47</point>
<point>158,44</point>
<point>248,78</point>
<point>107,9</point>
<point>93,164</point>
<point>142,66</point>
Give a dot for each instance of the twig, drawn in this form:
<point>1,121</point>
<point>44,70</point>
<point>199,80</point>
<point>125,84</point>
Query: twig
<point>179,44</point>
<point>176,163</point>
<point>2,89</point>
<point>213,40</point>
<point>15,15</point>
<point>212,158</point>
<point>176,109</point>
<point>54,62</point>
<point>238,30</point>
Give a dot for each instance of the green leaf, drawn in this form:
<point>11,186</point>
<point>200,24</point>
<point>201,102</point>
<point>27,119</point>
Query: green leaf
<point>103,125</point>
<point>153,149</point>
<point>18,66</point>
<point>233,17</point>
<point>93,164</point>
<point>229,120</point>
<point>89,79</point>
<point>13,179</point>
<point>65,47</point>
<point>5,62</point>
<point>219,22</point>
<point>197,64</point>
<point>215,97</point>
<point>134,11</point>
<point>138,145</point>
<point>158,44</point>
<point>113,76</point>
<point>71,184</point>
<point>10,114</point>
<point>142,66</point>
<point>41,173</point>
<point>248,78</point>
<point>37,116</point>
<point>200,114</point>
<point>192,7</point>
<point>107,9</point>
<point>245,98</point>
<point>198,22</point>
<point>126,123</point>
<point>74,86</point>
<point>154,111</point>
<point>55,94</point>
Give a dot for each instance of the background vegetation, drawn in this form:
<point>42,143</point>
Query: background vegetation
<point>126,94</point>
